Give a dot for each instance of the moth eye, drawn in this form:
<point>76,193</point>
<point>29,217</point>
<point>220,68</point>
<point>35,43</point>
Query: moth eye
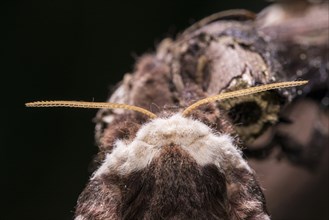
<point>245,113</point>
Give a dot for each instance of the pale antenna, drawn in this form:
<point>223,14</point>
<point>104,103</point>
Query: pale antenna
<point>81,104</point>
<point>242,92</point>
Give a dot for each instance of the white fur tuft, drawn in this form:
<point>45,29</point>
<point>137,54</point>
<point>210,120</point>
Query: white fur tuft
<point>80,217</point>
<point>205,146</point>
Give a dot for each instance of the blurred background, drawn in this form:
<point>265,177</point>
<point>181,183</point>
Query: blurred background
<point>71,50</point>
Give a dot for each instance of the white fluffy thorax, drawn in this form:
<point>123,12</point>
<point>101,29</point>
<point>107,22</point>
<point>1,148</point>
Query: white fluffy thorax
<point>176,130</point>
<point>194,137</point>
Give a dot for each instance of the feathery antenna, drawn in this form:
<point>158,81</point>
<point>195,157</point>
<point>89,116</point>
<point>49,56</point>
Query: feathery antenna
<point>242,92</point>
<point>186,112</point>
<point>80,104</point>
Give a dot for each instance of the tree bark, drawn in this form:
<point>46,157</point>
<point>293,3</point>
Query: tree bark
<point>233,50</point>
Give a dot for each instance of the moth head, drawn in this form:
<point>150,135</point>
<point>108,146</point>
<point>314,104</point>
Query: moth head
<point>173,130</point>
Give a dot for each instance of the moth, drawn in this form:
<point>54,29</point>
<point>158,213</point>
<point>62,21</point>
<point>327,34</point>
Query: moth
<point>175,167</point>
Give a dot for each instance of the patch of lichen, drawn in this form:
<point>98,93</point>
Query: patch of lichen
<point>252,115</point>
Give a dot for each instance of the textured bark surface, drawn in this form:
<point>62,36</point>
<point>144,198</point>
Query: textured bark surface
<point>234,50</point>
<point>230,51</point>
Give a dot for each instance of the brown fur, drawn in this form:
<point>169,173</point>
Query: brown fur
<point>174,186</point>
<point>99,201</point>
<point>151,89</point>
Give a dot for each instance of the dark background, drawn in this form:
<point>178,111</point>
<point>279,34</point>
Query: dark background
<point>71,50</point>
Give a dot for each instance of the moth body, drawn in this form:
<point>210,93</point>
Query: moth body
<point>175,168</point>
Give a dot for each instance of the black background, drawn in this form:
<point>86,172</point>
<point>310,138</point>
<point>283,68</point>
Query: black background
<point>71,50</point>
